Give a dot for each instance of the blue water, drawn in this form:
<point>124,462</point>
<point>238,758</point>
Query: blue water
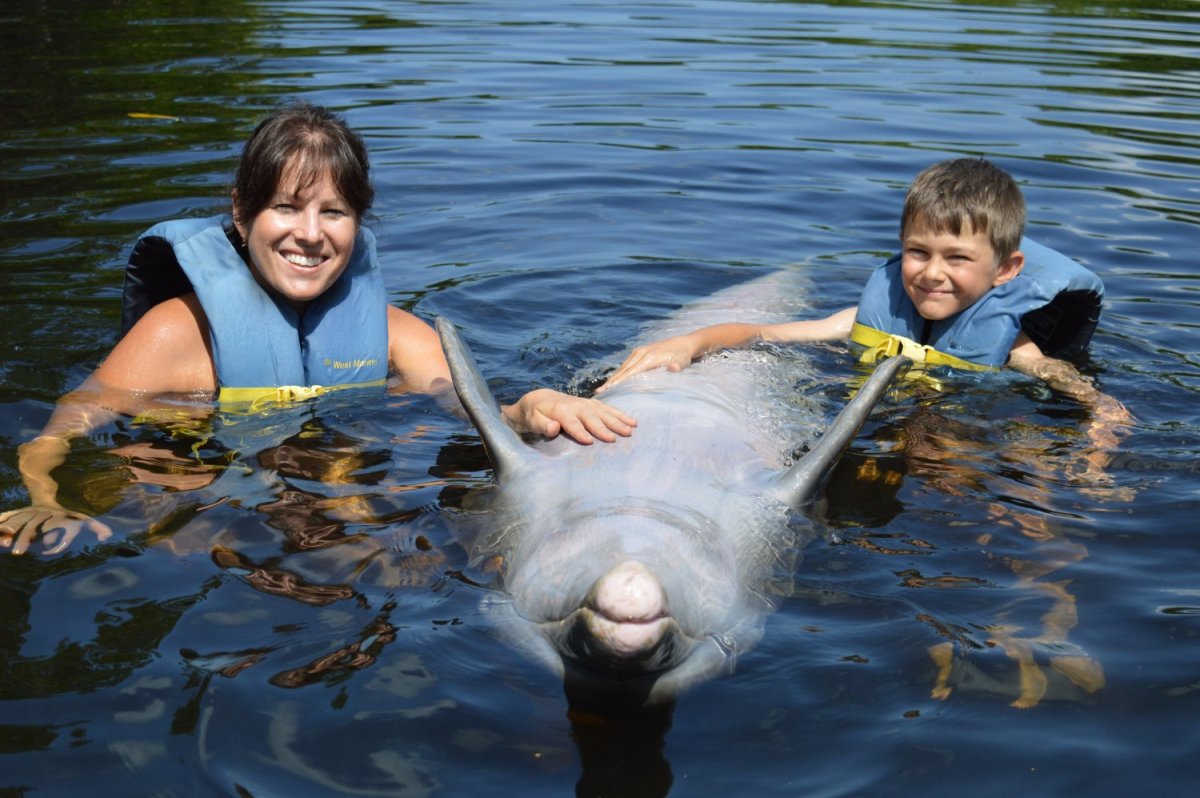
<point>289,614</point>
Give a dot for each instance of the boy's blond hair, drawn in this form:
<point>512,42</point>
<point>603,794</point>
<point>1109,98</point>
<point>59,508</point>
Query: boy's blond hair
<point>968,192</point>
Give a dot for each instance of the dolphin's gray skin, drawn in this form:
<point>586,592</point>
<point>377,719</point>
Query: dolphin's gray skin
<point>645,565</point>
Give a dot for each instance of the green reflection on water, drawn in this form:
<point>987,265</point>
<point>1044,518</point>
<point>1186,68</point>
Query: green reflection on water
<point>80,176</point>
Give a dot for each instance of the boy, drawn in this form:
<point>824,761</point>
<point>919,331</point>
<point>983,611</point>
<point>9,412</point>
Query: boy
<point>965,291</point>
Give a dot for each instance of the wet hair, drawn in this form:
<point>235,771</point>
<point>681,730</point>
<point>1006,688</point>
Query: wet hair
<point>954,194</point>
<point>314,140</point>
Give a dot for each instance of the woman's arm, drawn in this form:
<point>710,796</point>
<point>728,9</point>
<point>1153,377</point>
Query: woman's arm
<point>416,355</point>
<point>165,352</point>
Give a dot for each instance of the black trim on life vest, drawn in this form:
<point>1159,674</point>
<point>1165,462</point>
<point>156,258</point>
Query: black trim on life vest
<point>1064,327</point>
<point>153,275</point>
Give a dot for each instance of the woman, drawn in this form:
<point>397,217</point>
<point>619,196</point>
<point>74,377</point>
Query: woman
<point>284,301</point>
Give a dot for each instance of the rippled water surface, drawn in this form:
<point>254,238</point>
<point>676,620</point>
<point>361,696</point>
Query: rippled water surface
<point>283,609</point>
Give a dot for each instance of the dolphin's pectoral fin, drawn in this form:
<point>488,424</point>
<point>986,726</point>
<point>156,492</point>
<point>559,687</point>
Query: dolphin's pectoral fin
<point>508,452</point>
<point>800,483</point>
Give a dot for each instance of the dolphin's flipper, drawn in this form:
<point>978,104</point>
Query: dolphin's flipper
<point>799,484</point>
<point>507,451</point>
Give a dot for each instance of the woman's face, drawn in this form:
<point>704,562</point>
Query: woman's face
<point>302,241</point>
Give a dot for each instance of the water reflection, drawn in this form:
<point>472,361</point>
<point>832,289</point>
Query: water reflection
<point>621,749</point>
<point>356,656</point>
<point>1016,470</point>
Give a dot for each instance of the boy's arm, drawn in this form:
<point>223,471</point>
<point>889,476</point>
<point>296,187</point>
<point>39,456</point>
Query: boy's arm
<point>681,351</point>
<point>1027,358</point>
<point>677,353</point>
<point>831,328</point>
<point>1109,416</point>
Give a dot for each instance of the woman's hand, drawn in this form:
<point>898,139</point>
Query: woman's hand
<point>56,525</point>
<point>44,516</point>
<point>547,413</point>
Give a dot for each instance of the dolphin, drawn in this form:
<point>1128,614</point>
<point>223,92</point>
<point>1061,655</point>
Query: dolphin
<point>645,566</point>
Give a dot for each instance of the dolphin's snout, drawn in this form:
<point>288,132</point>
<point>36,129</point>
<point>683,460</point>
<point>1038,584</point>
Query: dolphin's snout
<point>630,614</point>
<point>629,592</point>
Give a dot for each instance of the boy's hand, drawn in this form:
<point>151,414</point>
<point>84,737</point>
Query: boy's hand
<point>1110,423</point>
<point>57,525</point>
<point>674,354</point>
<point>547,413</point>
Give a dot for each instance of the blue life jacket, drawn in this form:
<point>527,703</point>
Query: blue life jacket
<point>1054,300</point>
<point>261,346</point>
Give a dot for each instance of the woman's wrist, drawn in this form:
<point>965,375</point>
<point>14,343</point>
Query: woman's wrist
<point>37,458</point>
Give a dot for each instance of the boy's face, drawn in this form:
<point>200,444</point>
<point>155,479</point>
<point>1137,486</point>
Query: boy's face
<point>944,273</point>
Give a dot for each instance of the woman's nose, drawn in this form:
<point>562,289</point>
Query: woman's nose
<point>308,226</point>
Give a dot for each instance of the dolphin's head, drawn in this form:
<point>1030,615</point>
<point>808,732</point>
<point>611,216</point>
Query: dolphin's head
<point>633,597</point>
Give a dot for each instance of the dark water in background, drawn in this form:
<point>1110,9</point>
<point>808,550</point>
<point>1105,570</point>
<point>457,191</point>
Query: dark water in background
<point>552,176</point>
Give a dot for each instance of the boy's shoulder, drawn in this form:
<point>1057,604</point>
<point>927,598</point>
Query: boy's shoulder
<point>1048,272</point>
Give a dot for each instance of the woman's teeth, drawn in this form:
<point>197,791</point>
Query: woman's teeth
<point>300,260</point>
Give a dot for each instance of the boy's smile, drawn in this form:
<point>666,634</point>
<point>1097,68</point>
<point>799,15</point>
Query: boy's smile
<point>944,274</point>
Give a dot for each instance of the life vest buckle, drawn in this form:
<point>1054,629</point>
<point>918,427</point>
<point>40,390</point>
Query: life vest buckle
<point>894,345</point>
<point>297,393</point>
<point>281,394</point>
<point>879,344</point>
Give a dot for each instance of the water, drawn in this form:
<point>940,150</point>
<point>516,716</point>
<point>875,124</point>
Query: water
<point>289,615</point>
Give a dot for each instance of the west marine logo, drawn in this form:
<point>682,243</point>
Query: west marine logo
<point>350,364</point>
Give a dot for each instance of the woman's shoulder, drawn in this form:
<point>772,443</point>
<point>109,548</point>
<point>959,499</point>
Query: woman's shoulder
<point>166,351</point>
<point>415,351</point>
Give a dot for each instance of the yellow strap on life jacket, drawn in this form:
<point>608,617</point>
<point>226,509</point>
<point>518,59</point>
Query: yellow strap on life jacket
<point>257,398</point>
<point>880,344</point>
